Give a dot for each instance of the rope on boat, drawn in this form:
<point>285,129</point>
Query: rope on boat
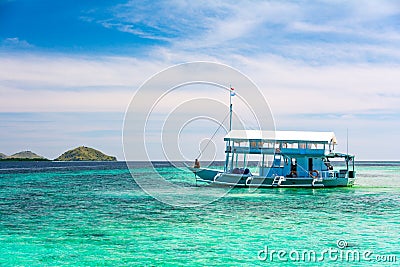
<point>216,131</point>
<point>213,135</point>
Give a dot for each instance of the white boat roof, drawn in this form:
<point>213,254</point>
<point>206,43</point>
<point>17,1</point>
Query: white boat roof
<point>281,136</point>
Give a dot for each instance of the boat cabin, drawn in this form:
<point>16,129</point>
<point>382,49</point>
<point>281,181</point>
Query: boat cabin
<point>285,153</point>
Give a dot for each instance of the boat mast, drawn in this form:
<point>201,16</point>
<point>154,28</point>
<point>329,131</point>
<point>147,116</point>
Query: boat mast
<point>229,148</point>
<point>230,107</point>
<point>347,141</point>
<point>347,149</point>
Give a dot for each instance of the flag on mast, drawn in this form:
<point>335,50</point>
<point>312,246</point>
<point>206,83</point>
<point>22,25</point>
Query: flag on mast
<point>233,91</point>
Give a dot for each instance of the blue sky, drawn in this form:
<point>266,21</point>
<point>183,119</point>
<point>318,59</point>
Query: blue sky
<point>69,68</point>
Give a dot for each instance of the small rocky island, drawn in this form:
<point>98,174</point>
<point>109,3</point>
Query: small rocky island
<point>83,153</point>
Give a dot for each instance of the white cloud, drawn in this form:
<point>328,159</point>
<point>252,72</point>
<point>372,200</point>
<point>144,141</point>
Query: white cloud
<point>242,22</point>
<point>362,97</point>
<point>15,42</point>
<point>62,71</point>
<point>107,84</point>
<point>351,89</point>
<point>373,10</point>
<point>62,83</point>
<point>321,31</point>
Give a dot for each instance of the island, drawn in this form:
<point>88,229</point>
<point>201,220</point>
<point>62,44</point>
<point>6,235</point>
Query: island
<point>23,156</point>
<point>84,153</point>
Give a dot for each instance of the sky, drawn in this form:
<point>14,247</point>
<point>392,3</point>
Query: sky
<point>68,69</point>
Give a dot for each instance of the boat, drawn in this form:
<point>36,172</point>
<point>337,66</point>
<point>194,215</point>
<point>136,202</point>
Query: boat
<point>282,158</point>
<point>256,158</point>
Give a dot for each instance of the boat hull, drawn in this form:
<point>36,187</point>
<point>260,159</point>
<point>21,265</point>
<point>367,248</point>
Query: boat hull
<point>299,182</point>
<point>216,177</point>
<point>204,174</point>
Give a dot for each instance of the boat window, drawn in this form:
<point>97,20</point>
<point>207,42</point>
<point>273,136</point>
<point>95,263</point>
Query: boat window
<point>278,162</point>
<point>302,145</point>
<point>293,145</point>
<point>268,160</point>
<point>268,145</point>
<point>315,146</point>
<point>241,143</point>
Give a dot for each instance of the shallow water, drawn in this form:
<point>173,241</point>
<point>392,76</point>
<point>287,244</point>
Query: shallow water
<point>57,213</point>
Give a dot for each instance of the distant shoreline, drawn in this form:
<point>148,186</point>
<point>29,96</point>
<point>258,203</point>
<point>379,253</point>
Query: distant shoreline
<point>81,153</point>
<point>24,159</point>
<point>161,161</point>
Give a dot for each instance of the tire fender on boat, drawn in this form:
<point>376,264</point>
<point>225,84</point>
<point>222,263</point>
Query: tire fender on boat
<point>314,174</point>
<point>248,180</point>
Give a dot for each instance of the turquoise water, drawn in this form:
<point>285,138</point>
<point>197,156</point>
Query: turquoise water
<point>94,214</point>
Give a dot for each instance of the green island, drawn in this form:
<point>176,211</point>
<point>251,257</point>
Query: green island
<point>81,153</point>
<point>84,153</point>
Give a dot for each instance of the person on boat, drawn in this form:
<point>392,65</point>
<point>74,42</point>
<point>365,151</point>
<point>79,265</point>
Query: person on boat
<point>196,163</point>
<point>247,172</point>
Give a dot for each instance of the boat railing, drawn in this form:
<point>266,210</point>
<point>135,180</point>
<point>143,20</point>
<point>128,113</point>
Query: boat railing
<point>336,174</point>
<point>271,151</point>
<point>302,151</point>
<point>342,173</point>
<point>327,174</point>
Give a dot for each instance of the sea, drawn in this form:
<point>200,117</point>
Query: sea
<point>96,214</point>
